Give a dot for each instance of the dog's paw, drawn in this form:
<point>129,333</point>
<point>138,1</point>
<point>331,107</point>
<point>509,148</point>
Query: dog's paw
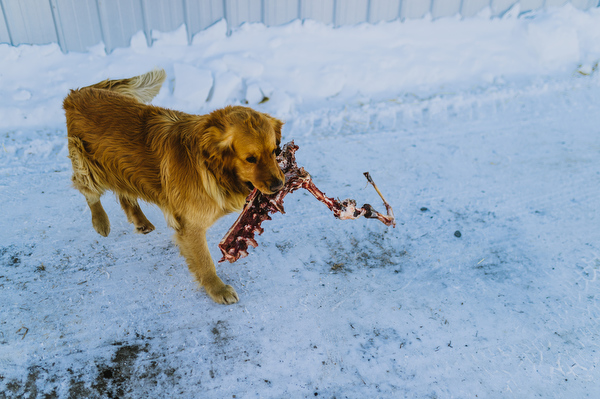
<point>144,228</point>
<point>101,224</point>
<point>224,294</point>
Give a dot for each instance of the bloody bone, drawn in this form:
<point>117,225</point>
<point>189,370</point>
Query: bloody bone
<point>234,244</point>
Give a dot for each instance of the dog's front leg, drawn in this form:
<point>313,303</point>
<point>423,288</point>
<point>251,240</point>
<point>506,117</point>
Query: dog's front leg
<point>193,246</point>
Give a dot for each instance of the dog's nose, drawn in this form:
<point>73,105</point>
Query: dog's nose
<point>276,185</point>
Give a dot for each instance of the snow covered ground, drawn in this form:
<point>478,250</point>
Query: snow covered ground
<point>487,127</point>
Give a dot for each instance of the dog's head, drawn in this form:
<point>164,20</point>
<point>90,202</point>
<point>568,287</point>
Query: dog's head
<point>243,143</point>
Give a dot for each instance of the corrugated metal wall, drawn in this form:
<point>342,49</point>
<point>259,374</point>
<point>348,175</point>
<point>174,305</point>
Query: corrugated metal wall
<point>79,24</point>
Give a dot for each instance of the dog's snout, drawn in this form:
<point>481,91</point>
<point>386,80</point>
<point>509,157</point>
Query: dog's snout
<point>276,185</point>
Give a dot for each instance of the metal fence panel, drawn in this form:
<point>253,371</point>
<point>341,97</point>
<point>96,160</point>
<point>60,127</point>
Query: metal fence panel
<point>30,21</point>
<point>318,10</point>
<point>4,34</point>
<point>472,7</point>
<point>585,4</point>
<point>499,7</point>
<point>383,10</point>
<point>240,11</point>
<point>351,12</point>
<point>120,20</point>
<point>162,15</point>
<point>78,24</point>
<point>278,12</point>
<point>555,3</point>
<point>445,8</point>
<point>414,9</point>
<point>529,5</point>
<point>200,14</point>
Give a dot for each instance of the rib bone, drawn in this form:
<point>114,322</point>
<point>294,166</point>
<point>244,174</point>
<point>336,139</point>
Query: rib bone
<point>240,236</point>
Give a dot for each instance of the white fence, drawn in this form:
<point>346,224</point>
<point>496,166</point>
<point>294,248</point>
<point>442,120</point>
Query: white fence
<point>78,24</point>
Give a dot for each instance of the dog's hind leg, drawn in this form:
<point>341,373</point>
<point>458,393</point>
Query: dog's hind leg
<point>135,215</point>
<point>99,217</point>
<point>84,181</point>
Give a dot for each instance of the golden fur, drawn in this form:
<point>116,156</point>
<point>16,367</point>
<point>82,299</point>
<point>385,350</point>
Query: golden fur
<point>196,168</point>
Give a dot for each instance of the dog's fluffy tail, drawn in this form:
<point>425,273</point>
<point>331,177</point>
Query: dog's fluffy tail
<point>143,87</point>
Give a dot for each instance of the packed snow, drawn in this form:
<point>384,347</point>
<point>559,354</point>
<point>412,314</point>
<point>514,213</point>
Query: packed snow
<point>482,133</point>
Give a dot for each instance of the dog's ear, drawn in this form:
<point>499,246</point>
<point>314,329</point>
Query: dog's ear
<point>216,144</point>
<point>277,125</point>
<point>216,139</point>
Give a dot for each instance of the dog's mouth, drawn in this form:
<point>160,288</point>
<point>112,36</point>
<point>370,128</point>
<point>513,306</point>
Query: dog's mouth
<point>250,185</point>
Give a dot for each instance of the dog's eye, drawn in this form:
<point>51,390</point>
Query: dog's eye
<point>251,159</point>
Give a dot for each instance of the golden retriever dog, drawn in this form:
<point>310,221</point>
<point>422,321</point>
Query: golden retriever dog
<point>196,168</point>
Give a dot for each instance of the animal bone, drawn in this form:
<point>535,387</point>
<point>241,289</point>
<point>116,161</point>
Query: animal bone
<point>240,236</point>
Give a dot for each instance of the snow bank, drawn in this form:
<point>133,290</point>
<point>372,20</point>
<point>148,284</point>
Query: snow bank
<point>304,65</point>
